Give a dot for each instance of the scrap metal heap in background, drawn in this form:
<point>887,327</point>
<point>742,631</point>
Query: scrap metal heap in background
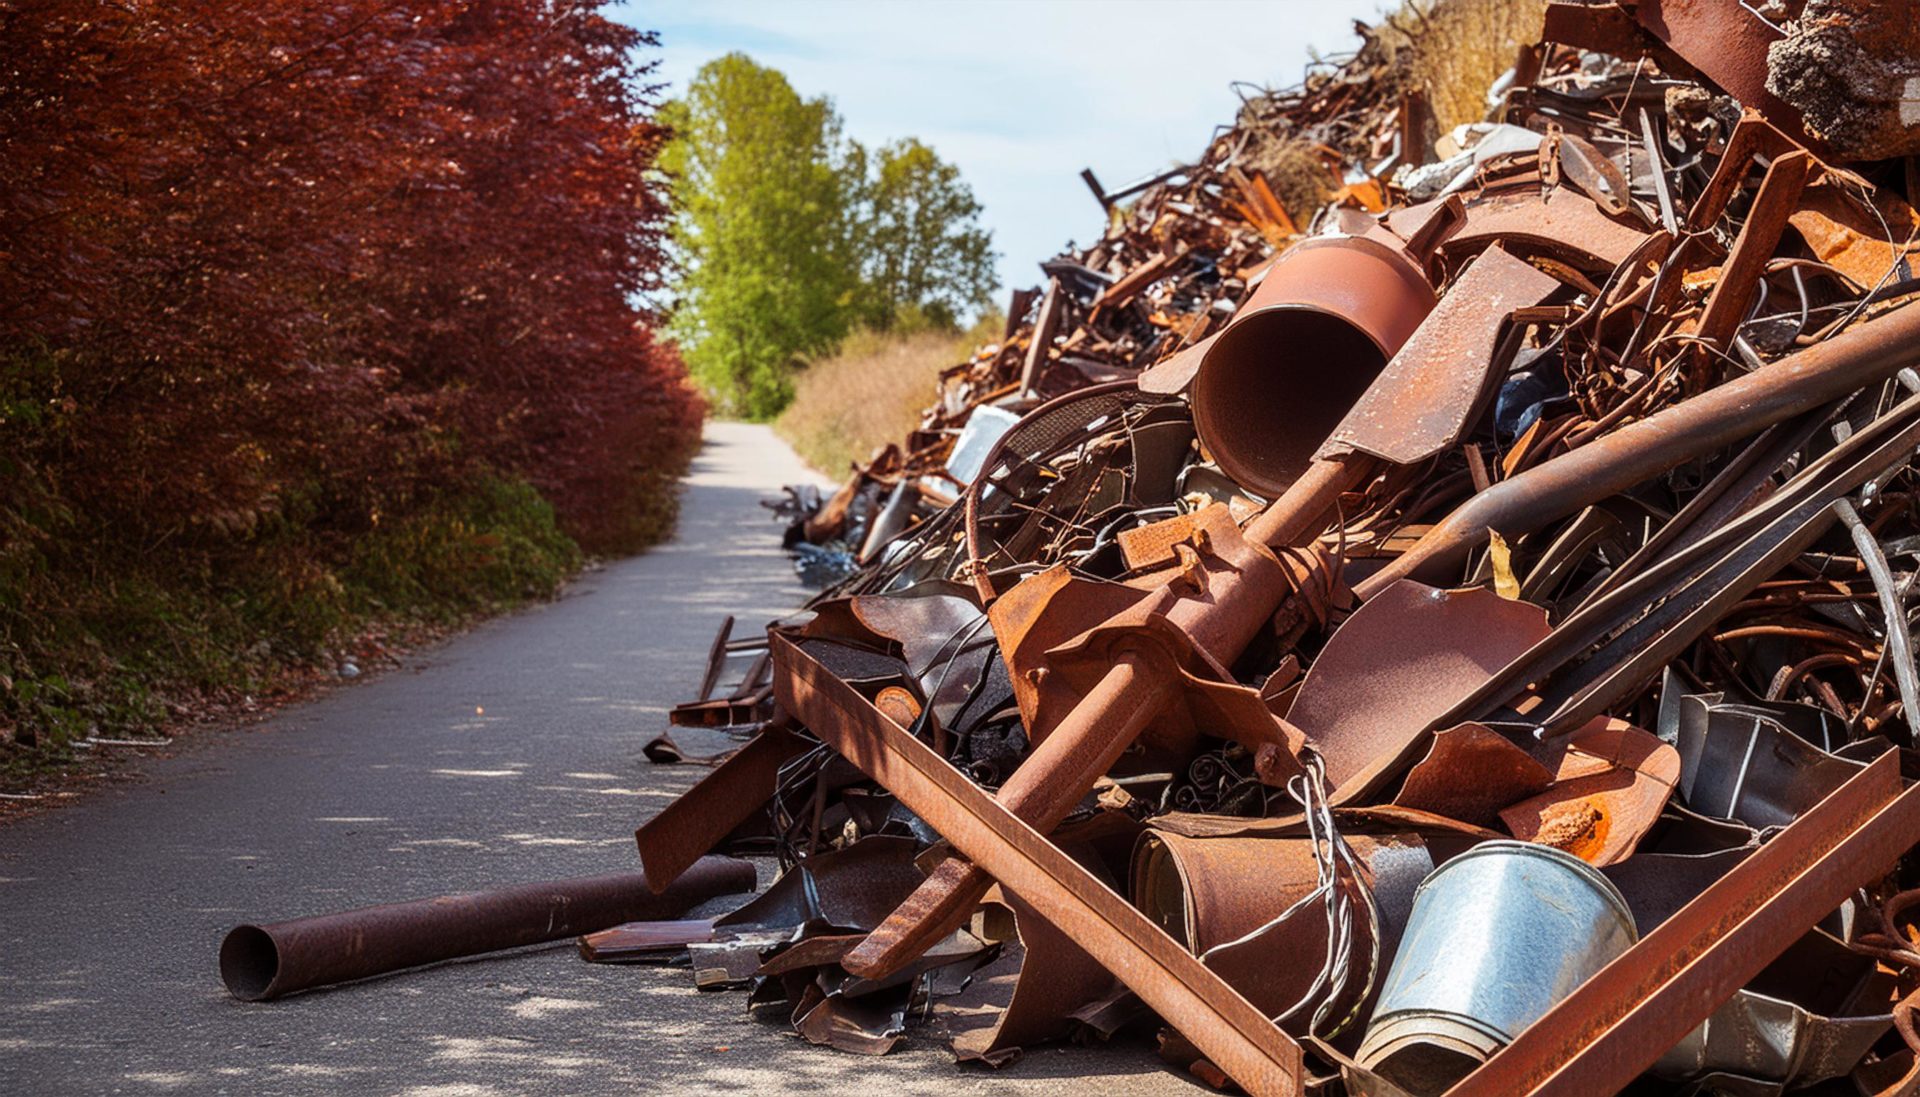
<point>1452,640</point>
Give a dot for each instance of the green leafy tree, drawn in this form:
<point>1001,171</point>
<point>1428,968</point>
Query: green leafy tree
<point>927,260</point>
<point>764,233</point>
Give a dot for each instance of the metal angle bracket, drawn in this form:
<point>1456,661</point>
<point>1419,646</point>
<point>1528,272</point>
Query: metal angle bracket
<point>1244,1043</point>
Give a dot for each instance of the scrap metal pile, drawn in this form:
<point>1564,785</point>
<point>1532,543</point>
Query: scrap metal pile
<point>1454,642</point>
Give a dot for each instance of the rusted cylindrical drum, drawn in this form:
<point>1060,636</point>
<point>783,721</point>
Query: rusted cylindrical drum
<point>261,962</point>
<point>1277,380</point>
<point>1498,936</point>
<point>1223,897</point>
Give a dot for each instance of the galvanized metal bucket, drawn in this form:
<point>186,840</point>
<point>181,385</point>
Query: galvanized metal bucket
<point>1498,936</point>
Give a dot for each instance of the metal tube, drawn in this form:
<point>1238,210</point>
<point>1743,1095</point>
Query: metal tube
<point>1640,451</point>
<point>1300,511</point>
<point>262,962</point>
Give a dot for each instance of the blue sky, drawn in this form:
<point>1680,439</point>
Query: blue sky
<point>1021,95</point>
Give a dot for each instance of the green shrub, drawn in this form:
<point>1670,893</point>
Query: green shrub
<point>104,638</point>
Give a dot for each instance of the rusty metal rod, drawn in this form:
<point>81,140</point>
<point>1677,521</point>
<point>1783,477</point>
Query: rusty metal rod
<point>1190,996</point>
<point>1663,441</point>
<point>262,962</point>
<point>1074,755</point>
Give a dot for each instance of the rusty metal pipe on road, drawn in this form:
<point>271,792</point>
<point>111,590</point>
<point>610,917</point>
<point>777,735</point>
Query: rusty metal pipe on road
<point>1663,441</point>
<point>262,962</point>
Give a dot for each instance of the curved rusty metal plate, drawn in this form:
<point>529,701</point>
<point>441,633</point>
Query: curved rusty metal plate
<point>1400,662</point>
<point>1428,394</point>
<point>1610,785</point>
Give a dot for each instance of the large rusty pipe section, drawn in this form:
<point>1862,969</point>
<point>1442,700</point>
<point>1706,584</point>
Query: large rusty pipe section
<point>1663,441</point>
<point>1317,331</point>
<point>262,962</point>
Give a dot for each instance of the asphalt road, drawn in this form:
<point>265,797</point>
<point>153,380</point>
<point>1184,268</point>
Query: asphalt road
<point>507,755</point>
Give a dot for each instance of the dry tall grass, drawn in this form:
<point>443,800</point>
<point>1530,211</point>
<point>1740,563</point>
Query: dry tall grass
<point>870,393</point>
<point>1457,48</point>
<point>1451,50</point>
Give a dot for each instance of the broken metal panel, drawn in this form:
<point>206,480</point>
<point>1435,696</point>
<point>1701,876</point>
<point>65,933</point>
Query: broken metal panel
<point>1407,656</point>
<point>690,827</point>
<point>1424,399</point>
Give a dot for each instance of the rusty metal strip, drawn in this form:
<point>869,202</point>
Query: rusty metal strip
<point>693,824</point>
<point>1619,1022</point>
<point>716,658</point>
<point>721,712</point>
<point>1222,1024</point>
<point>1740,276</point>
<point>1044,326</point>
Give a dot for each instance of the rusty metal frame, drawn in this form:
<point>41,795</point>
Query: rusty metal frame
<point>1616,1024</point>
<point>1249,1047</point>
<point>688,829</point>
<point>1601,1037</point>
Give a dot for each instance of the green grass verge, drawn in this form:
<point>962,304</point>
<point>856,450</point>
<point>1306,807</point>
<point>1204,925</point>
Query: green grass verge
<point>111,640</point>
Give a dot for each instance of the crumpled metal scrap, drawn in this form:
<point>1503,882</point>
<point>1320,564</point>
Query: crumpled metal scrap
<point>1547,495</point>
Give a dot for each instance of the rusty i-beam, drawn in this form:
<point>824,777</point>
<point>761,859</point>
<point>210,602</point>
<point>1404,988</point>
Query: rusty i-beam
<point>1599,1038</point>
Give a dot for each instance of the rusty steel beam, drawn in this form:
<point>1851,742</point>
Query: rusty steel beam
<point>1044,326</point>
<point>1253,1051</point>
<point>688,829</point>
<point>1662,441</point>
<point>1040,793</point>
<point>1616,1024</point>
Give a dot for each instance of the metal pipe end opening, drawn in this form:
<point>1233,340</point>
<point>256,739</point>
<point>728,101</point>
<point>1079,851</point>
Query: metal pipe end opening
<point>249,963</point>
<point>1275,386</point>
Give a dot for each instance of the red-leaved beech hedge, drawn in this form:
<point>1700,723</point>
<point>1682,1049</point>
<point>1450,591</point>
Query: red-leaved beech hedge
<point>316,261</point>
